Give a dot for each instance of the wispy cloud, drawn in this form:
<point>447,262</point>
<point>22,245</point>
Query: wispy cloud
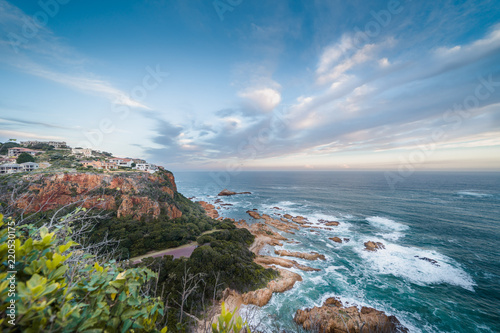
<point>41,53</point>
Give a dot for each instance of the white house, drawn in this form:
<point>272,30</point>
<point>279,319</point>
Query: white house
<point>16,151</point>
<point>87,152</point>
<point>100,165</point>
<point>123,162</point>
<point>151,168</point>
<point>14,167</point>
<point>10,168</point>
<point>29,166</point>
<point>55,144</point>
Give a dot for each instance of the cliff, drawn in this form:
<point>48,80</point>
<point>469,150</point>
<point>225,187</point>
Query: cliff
<point>134,194</point>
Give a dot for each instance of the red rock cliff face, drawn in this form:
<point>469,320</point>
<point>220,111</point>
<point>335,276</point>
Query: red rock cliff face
<point>130,194</point>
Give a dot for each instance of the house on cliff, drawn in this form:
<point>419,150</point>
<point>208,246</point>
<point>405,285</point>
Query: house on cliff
<point>16,151</point>
<point>55,144</point>
<point>100,165</point>
<point>87,152</point>
<point>148,167</point>
<point>122,162</point>
<point>14,167</point>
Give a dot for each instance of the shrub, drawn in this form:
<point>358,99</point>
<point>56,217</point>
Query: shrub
<point>229,322</point>
<point>25,157</point>
<point>51,296</point>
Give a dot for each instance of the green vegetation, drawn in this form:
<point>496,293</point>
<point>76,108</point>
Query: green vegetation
<point>140,237</point>
<point>229,322</point>
<point>51,295</point>
<point>25,157</point>
<point>213,267</point>
<point>83,294</point>
<point>4,148</point>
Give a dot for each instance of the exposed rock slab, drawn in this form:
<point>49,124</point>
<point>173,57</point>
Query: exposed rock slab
<point>130,194</point>
<point>307,256</point>
<point>226,192</point>
<point>287,263</point>
<point>333,317</point>
<point>209,209</point>
<point>261,297</point>
<point>332,223</point>
<point>254,214</point>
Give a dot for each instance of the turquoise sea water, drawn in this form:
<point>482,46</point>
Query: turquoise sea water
<point>453,218</point>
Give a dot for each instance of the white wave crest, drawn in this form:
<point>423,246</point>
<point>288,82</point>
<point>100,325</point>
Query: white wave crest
<point>415,265</point>
<point>473,194</point>
<point>386,224</point>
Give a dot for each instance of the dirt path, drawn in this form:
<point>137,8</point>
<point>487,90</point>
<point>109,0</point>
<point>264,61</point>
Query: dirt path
<point>181,251</point>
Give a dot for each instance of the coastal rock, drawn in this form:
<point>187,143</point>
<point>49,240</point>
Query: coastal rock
<point>209,209</point>
<point>346,240</point>
<point>373,246</point>
<point>335,239</point>
<point>333,301</point>
<point>280,225</point>
<point>432,261</point>
<point>334,317</point>
<point>261,297</point>
<point>254,214</point>
<point>130,194</point>
<point>265,261</point>
<point>226,192</point>
<point>299,219</point>
<point>307,256</point>
<point>263,235</point>
<point>332,223</point>
<point>288,216</point>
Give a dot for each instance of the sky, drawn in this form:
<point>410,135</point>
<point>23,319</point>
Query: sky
<point>257,85</point>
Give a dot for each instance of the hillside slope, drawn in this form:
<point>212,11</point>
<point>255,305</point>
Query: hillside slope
<point>130,194</point>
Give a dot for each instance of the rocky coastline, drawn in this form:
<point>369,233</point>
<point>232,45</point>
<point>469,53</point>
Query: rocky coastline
<point>332,316</point>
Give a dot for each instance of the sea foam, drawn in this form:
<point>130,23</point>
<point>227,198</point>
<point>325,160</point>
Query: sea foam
<point>409,264</point>
<point>386,224</point>
<point>473,194</point>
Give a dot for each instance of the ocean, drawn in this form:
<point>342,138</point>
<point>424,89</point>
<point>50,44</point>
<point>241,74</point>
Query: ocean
<point>452,218</point>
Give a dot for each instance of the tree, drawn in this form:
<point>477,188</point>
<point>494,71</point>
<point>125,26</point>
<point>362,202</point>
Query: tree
<point>133,165</point>
<point>25,157</point>
<point>4,148</point>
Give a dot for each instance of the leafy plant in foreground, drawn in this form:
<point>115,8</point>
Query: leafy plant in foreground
<point>51,296</point>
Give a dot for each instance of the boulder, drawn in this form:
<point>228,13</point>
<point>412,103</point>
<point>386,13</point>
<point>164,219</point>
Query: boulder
<point>332,223</point>
<point>335,239</point>
<point>334,317</point>
<point>254,214</point>
<point>226,192</point>
<point>374,246</point>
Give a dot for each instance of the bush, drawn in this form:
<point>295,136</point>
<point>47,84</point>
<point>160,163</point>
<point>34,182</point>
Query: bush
<point>50,298</point>
<point>25,157</point>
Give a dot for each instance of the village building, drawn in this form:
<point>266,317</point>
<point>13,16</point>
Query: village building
<point>29,166</point>
<point>87,152</point>
<point>122,162</point>
<point>55,144</point>
<point>16,151</point>
<point>14,167</point>
<point>10,168</point>
<point>151,168</point>
<point>100,165</point>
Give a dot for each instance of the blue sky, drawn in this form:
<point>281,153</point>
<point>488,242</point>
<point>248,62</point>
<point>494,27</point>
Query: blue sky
<point>276,85</point>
